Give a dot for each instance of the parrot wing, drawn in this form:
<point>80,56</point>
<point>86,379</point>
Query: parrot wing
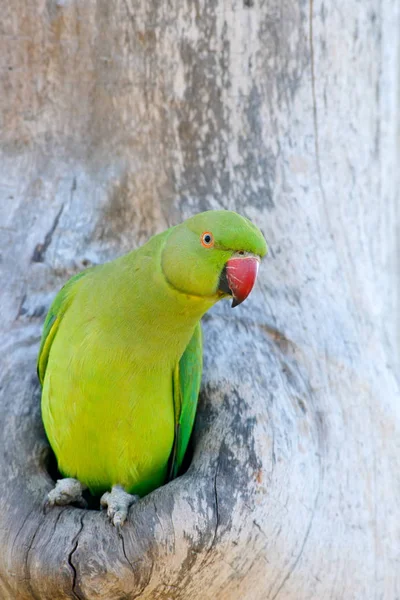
<point>53,319</point>
<point>186,387</point>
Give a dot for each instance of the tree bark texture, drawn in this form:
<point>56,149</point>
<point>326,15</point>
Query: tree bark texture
<point>119,119</point>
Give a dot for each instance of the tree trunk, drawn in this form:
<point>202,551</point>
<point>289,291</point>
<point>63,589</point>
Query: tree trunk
<point>119,119</point>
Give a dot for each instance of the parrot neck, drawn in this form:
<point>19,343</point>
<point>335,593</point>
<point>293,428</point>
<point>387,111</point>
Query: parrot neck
<point>149,311</point>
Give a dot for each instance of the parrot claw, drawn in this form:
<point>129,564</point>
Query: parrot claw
<point>117,503</point>
<point>66,491</point>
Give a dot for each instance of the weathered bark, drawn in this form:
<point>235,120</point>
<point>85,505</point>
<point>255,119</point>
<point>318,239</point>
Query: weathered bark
<point>121,118</point>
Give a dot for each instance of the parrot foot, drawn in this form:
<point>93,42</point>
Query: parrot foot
<point>117,502</point>
<point>66,491</point>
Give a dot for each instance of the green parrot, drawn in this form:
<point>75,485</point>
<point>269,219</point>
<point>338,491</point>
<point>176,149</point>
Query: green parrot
<point>120,360</point>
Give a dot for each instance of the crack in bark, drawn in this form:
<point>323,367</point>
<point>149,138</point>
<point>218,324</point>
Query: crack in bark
<point>75,542</point>
<point>216,517</point>
<point>20,529</point>
<point>40,249</point>
<point>58,518</point>
<point>306,536</point>
<point>26,567</point>
<point>20,306</point>
<point>216,507</point>
<point>121,535</point>
<point>73,188</point>
<point>133,569</point>
<point>260,528</point>
<point>314,101</point>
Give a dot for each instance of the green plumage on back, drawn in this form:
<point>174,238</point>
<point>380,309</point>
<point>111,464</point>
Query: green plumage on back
<point>120,360</point>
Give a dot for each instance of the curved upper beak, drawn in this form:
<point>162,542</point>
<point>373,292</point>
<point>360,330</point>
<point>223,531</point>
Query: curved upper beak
<point>238,277</point>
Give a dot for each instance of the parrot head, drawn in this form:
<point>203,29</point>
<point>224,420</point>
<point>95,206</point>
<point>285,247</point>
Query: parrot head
<point>214,254</point>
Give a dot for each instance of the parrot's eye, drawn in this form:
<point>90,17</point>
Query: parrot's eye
<point>207,239</point>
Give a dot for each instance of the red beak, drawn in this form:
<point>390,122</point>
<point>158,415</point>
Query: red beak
<point>241,275</point>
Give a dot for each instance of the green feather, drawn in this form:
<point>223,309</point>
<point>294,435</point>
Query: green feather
<point>187,379</point>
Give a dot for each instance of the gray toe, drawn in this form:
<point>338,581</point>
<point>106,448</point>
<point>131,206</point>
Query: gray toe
<point>67,491</point>
<point>118,503</point>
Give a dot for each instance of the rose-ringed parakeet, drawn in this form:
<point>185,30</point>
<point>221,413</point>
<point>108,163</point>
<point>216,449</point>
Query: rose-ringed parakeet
<point>120,360</point>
